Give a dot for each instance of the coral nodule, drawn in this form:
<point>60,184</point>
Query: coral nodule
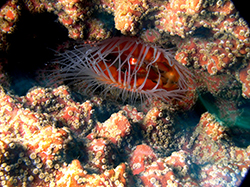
<point>126,67</point>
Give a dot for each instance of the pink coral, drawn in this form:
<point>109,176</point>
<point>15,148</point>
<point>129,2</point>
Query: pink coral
<point>115,128</point>
<point>40,149</point>
<point>132,113</point>
<point>49,139</point>
<point>74,15</point>
<point>212,128</point>
<point>46,146</point>
<point>9,15</point>
<point>215,37</point>
<point>218,159</point>
<point>75,175</point>
<point>142,156</point>
<point>59,103</point>
<point>244,77</point>
<point>100,154</point>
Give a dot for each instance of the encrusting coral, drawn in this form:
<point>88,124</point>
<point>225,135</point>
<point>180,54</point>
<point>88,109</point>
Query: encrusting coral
<point>59,137</point>
<point>40,146</point>
<point>209,35</point>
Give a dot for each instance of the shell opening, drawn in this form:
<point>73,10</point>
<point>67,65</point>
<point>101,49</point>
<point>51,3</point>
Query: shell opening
<point>127,68</point>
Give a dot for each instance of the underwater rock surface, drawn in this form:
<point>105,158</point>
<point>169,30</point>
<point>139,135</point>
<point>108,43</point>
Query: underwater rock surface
<point>57,136</point>
<point>49,139</point>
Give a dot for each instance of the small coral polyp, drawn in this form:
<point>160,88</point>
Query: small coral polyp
<point>127,68</point>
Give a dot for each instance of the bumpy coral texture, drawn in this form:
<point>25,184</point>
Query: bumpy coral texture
<point>41,146</point>
<point>209,35</point>
<point>49,139</point>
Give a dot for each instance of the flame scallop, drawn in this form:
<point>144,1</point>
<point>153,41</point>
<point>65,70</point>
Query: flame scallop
<point>126,67</point>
